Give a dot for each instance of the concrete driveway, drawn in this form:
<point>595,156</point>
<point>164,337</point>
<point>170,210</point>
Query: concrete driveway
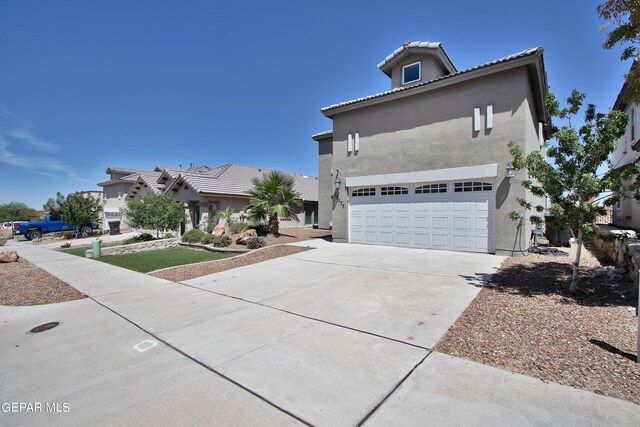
<point>407,295</point>
<point>339,335</point>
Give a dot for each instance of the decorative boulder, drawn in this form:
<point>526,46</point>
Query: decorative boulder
<point>9,256</point>
<point>218,230</point>
<point>246,235</point>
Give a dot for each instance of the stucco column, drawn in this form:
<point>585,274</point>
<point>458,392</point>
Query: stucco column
<point>188,225</point>
<point>204,215</point>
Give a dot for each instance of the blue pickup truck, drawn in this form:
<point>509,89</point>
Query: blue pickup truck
<point>50,224</point>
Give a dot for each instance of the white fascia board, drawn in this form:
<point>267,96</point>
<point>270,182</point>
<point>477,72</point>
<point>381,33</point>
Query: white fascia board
<point>467,172</point>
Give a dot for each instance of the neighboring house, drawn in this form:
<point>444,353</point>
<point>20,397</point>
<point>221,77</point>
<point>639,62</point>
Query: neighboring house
<point>425,164</point>
<point>204,190</point>
<point>115,190</point>
<point>627,212</point>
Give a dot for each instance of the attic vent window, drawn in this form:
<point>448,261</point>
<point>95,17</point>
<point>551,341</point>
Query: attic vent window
<point>411,73</point>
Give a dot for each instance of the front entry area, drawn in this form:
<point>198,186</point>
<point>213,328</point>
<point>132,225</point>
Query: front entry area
<point>455,215</point>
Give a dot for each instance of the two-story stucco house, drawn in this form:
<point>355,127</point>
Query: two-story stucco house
<point>426,164</point>
<point>627,212</point>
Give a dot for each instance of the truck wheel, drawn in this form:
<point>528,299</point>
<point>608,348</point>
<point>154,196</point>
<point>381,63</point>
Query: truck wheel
<point>34,234</point>
<point>86,231</point>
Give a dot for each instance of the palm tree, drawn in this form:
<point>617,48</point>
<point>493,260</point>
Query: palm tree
<point>274,198</point>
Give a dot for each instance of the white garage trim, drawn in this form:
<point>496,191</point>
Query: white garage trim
<point>463,173</point>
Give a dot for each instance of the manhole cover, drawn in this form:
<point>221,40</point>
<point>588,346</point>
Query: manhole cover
<point>43,327</point>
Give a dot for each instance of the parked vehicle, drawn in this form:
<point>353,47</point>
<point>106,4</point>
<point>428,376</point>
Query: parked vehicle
<point>35,230</point>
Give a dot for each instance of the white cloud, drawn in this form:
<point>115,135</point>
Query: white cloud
<point>21,148</point>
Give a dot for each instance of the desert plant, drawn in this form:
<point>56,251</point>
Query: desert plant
<point>194,236</point>
<point>273,198</point>
<point>221,241</point>
<point>237,227</point>
<point>143,237</point>
<point>255,242</point>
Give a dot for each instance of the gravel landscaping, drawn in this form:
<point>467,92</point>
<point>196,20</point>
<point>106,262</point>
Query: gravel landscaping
<point>192,271</point>
<point>525,321</point>
<point>288,235</point>
<point>22,283</point>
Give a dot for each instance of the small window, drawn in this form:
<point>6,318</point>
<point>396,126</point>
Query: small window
<point>392,191</point>
<point>632,124</point>
<point>411,73</point>
<point>363,192</point>
<point>466,186</point>
<point>431,188</point>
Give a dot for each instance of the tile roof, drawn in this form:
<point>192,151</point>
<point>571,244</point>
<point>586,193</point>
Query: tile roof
<point>115,169</point>
<point>523,54</point>
<point>418,44</point>
<point>234,179</point>
<point>322,134</point>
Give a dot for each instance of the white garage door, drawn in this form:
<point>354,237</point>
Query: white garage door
<point>455,216</point>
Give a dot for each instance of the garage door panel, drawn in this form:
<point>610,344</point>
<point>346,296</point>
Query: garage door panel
<point>482,206</point>
<point>440,222</point>
<point>386,222</point>
<point>403,222</point>
<point>481,224</point>
<point>461,223</point>
<point>371,237</point>
<point>440,240</point>
<point>461,241</point>
<point>403,238</point>
<point>386,237</point>
<point>420,222</point>
<point>454,221</point>
<point>421,239</point>
<point>462,206</point>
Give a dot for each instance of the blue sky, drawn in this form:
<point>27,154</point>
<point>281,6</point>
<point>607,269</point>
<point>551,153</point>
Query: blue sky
<point>88,84</point>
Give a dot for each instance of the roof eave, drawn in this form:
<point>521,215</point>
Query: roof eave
<point>387,65</point>
<point>454,79</point>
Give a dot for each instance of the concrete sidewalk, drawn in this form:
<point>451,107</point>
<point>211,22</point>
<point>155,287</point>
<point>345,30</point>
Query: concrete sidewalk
<point>283,367</point>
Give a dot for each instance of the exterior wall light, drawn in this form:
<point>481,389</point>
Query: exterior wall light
<point>510,170</point>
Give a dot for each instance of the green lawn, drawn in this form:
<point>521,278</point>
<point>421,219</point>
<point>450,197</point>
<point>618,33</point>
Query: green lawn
<point>79,251</point>
<point>145,262</point>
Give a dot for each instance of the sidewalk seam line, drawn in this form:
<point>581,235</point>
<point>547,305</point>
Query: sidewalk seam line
<point>393,390</point>
<point>204,365</point>
<point>305,317</point>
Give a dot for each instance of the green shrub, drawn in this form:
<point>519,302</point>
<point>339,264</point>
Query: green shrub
<point>194,236</point>
<point>237,227</point>
<point>221,241</point>
<point>65,245</point>
<point>144,237</point>
<point>207,239</point>
<point>255,242</point>
<point>169,236</point>
<point>2,242</point>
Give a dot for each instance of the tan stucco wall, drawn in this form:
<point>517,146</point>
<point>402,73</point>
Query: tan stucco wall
<point>434,130</point>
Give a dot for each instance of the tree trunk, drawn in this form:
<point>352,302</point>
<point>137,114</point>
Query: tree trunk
<point>274,224</point>
<point>157,233</point>
<point>576,265</point>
